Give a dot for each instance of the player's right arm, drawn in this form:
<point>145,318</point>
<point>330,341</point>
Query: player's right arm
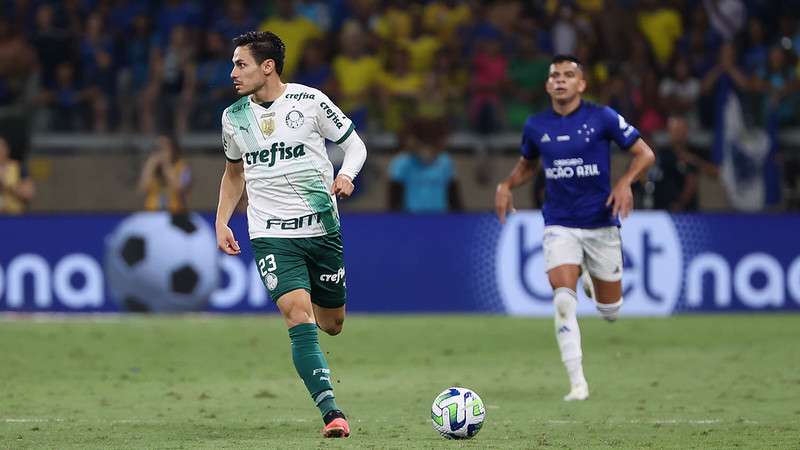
<point>523,172</point>
<point>230,190</point>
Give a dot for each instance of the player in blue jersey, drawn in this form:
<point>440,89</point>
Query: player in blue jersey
<point>581,211</point>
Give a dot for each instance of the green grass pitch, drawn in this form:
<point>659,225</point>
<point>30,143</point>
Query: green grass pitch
<point>218,382</point>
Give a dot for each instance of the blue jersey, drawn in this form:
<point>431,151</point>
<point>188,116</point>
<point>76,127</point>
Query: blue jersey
<point>576,158</point>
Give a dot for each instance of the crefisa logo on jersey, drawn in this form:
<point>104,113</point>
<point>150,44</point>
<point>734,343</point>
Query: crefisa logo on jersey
<point>652,274</point>
<point>300,96</point>
<point>294,119</point>
<point>279,151</point>
<point>331,114</point>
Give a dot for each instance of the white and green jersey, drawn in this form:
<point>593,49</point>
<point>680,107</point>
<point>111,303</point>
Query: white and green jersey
<point>287,172</point>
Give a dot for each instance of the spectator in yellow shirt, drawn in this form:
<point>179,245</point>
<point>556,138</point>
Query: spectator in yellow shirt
<point>662,26</point>
<point>356,72</point>
<point>394,25</point>
<point>422,45</point>
<point>445,17</point>
<point>166,178</point>
<point>400,87</point>
<point>294,30</point>
<point>15,191</point>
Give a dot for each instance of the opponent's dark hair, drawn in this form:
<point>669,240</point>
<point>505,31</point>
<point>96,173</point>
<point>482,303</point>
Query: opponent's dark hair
<point>567,58</point>
<point>263,45</point>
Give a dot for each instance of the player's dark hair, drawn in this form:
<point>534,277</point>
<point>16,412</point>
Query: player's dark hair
<point>263,45</point>
<point>567,58</point>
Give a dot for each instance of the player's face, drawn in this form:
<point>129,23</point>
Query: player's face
<point>247,75</point>
<point>565,81</point>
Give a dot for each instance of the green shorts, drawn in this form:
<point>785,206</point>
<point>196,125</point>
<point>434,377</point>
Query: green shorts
<point>315,264</point>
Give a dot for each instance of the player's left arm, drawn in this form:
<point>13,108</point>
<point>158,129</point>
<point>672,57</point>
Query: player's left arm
<point>334,125</point>
<point>627,137</point>
<point>355,153</point>
<point>621,197</point>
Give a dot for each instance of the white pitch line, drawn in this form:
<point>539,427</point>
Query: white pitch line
<point>649,422</point>
<point>28,420</point>
<point>677,421</point>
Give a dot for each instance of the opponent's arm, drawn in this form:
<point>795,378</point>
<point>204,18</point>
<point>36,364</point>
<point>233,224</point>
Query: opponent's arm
<point>522,172</point>
<point>230,191</point>
<point>621,197</point>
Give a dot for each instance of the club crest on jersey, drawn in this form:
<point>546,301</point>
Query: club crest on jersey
<point>294,119</point>
<point>267,124</point>
<point>586,132</point>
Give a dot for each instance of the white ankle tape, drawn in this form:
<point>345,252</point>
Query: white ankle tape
<point>609,310</point>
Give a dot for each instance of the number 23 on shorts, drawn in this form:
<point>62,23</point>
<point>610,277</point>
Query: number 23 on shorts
<point>267,264</point>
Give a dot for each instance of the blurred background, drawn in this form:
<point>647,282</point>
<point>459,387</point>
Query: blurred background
<point>113,107</point>
<point>94,93</point>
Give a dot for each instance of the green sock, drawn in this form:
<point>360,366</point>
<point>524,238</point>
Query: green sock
<point>311,366</point>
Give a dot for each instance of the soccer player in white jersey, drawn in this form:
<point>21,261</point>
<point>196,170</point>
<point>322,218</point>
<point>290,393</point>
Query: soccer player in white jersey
<point>581,210</point>
<point>274,142</point>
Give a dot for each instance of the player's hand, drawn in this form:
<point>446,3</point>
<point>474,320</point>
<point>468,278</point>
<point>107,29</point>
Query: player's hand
<point>342,186</point>
<point>503,202</point>
<point>225,240</point>
<point>621,199</point>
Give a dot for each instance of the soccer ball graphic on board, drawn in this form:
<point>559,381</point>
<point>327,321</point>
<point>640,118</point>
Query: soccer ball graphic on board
<point>457,413</point>
<point>158,262</point>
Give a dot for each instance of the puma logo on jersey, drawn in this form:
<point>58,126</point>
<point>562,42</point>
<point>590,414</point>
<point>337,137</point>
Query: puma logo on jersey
<point>278,152</point>
<point>247,128</point>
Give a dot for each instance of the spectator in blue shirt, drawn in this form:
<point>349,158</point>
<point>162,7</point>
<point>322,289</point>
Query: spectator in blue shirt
<point>422,175</point>
<point>314,69</point>
<point>212,92</point>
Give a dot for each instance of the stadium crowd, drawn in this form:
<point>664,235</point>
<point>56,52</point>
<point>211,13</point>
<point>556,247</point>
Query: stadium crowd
<point>163,66</point>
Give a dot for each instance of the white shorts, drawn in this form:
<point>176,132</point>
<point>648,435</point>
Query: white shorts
<point>597,249</point>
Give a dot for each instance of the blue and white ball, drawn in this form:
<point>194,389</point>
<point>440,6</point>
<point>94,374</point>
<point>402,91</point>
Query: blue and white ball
<point>457,413</point>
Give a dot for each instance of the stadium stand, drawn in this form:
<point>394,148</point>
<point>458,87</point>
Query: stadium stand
<point>88,84</point>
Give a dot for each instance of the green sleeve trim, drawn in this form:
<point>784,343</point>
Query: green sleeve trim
<point>233,160</point>
<point>346,134</point>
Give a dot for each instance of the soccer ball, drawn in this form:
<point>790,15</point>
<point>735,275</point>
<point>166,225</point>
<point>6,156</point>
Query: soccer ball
<point>157,262</point>
<point>457,413</point>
